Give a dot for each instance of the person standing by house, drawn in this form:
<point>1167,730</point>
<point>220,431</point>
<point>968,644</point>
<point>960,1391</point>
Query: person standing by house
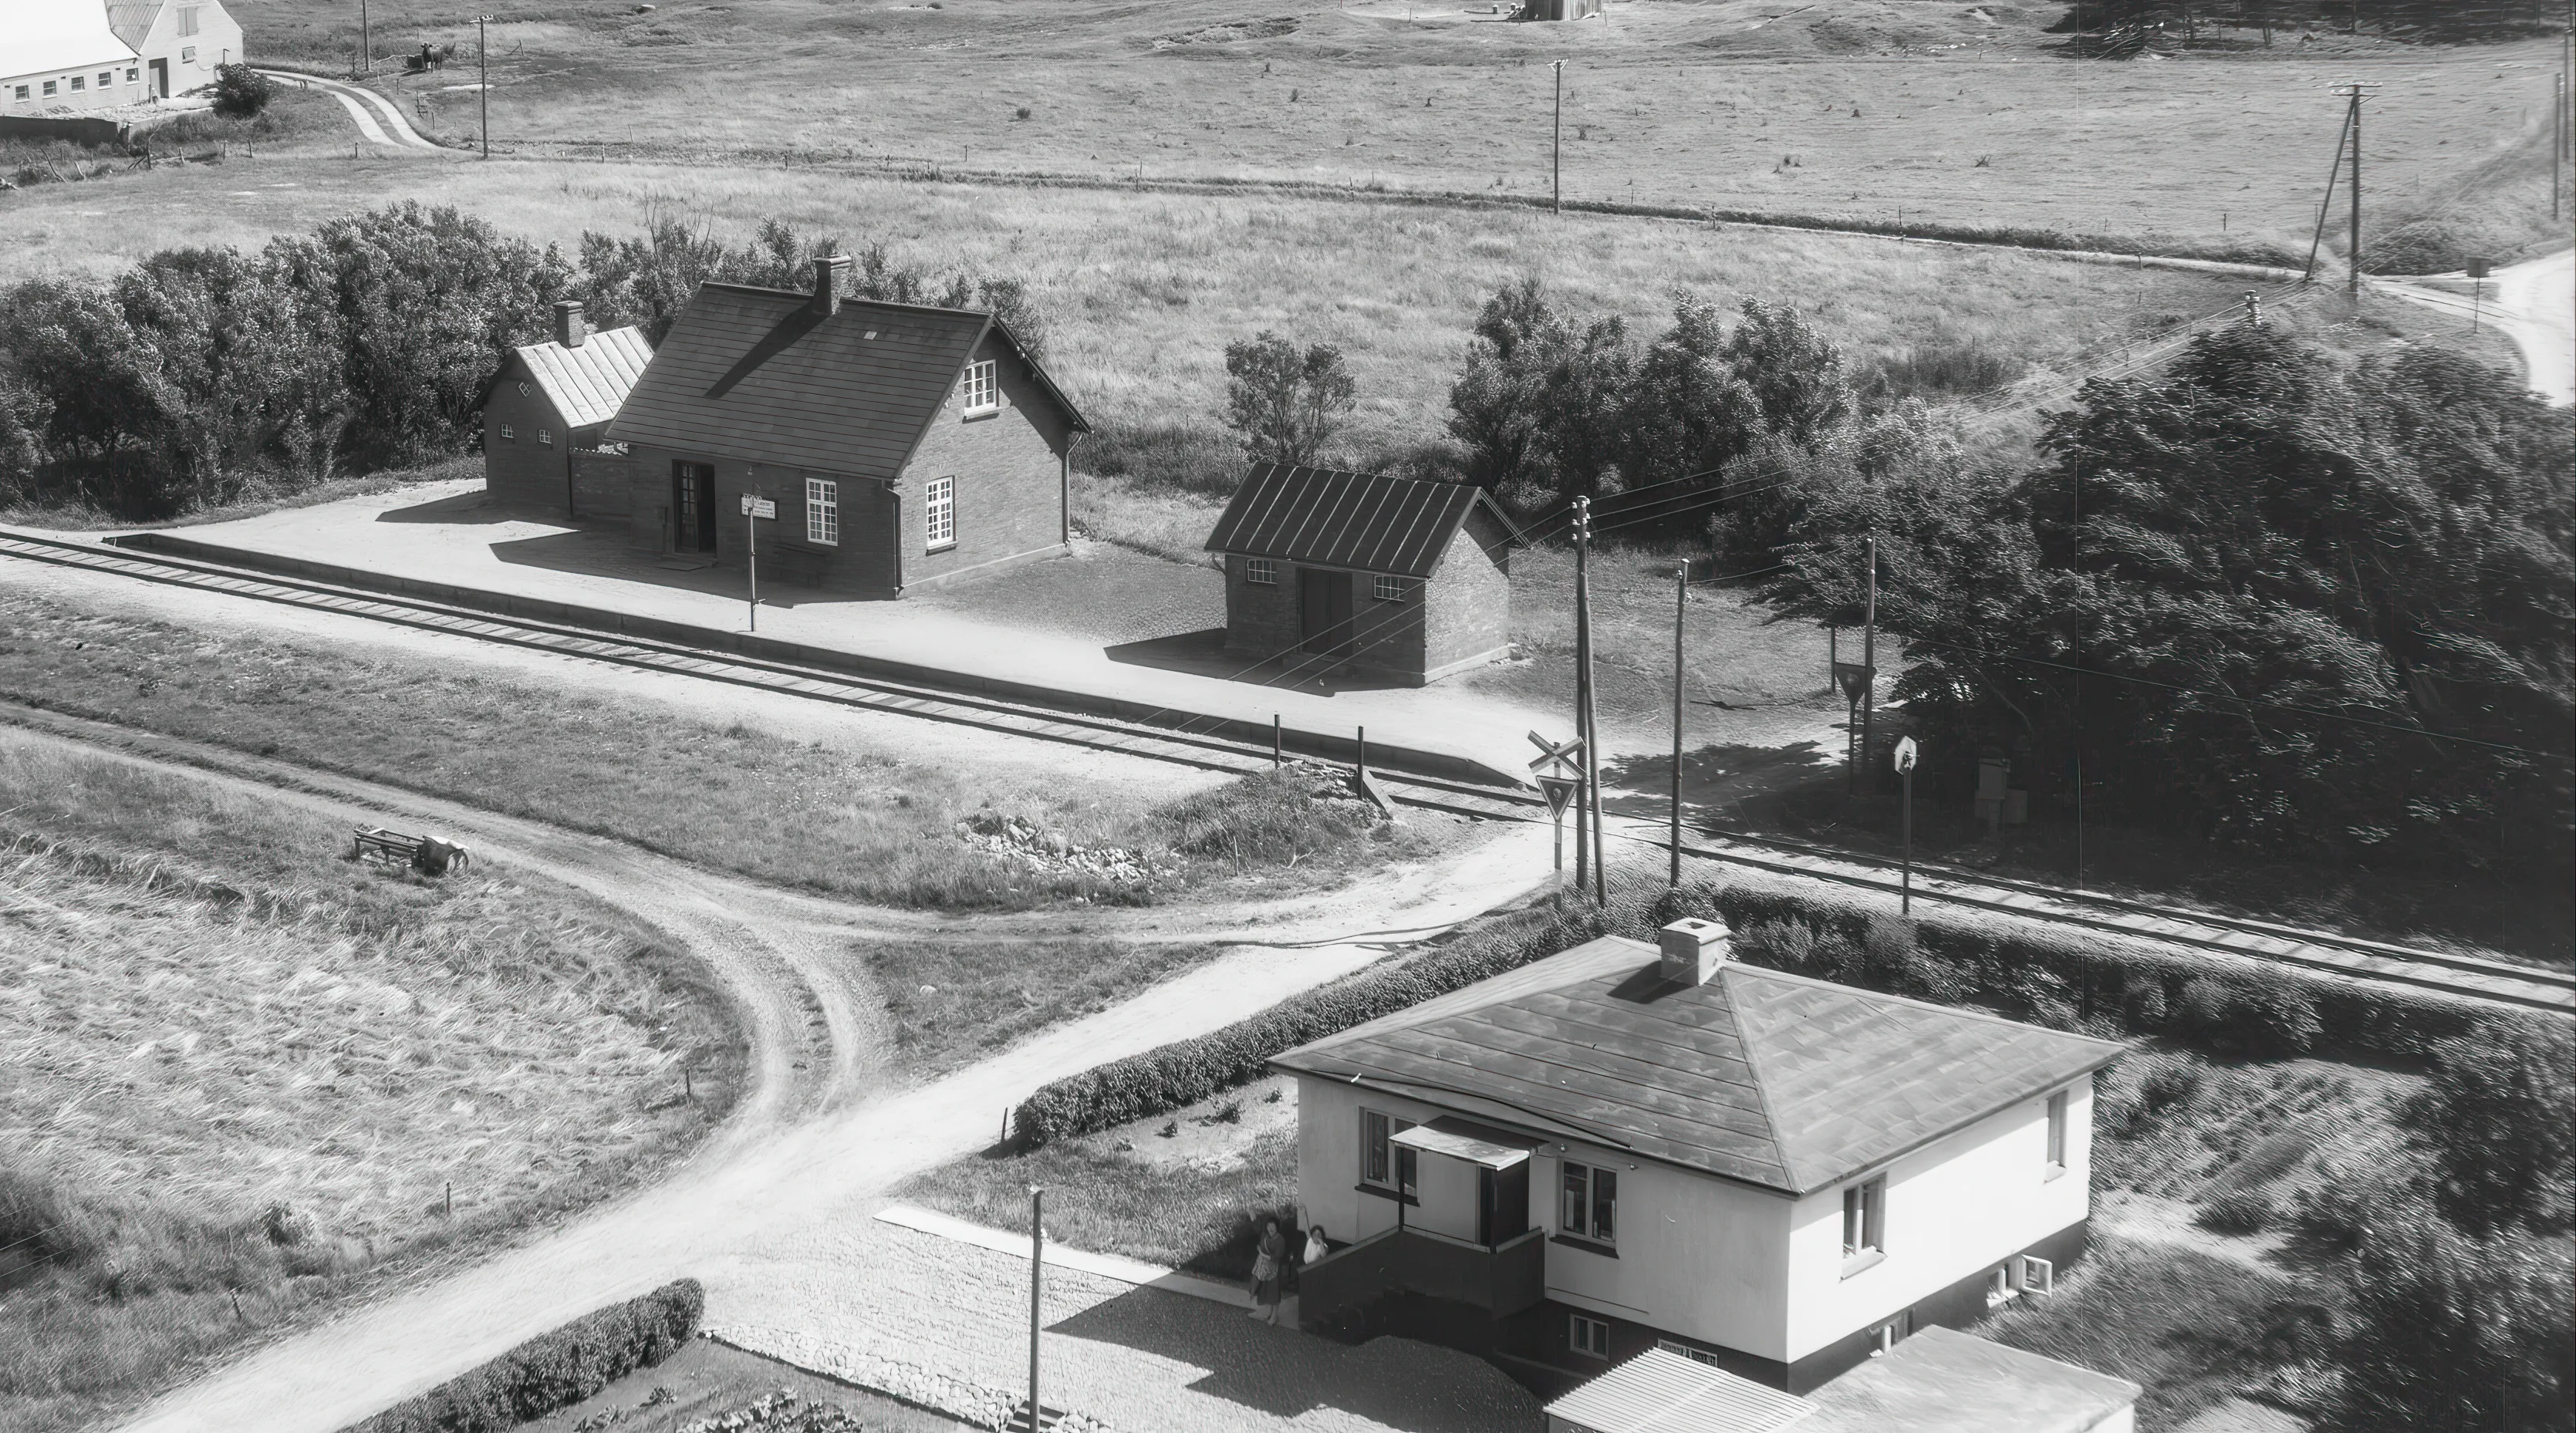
<point>1268,1266</point>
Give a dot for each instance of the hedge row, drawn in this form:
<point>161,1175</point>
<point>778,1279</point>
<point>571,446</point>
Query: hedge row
<point>2060,978</point>
<point>553,1370</point>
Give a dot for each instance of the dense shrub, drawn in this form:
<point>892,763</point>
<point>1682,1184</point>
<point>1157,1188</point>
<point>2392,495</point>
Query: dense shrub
<point>2498,1115</point>
<point>2453,1334</point>
<point>553,1370</point>
<point>242,92</point>
<point>2238,1211</point>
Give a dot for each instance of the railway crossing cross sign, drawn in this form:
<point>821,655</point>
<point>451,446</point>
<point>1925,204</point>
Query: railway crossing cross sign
<point>1559,765</point>
<point>1560,758</point>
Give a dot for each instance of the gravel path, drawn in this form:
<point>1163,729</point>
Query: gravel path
<point>1139,1358</point>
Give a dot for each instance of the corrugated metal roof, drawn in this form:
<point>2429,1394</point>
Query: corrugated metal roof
<point>1944,1381</point>
<point>1372,522</point>
<point>1659,1391</point>
<point>132,20</point>
<point>1758,1075</point>
<point>41,35</point>
<point>588,384</point>
<point>761,375</point>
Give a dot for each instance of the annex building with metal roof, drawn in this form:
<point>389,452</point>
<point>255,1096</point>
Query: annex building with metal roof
<point>546,409</point>
<point>1628,1146</point>
<point>1404,579</point>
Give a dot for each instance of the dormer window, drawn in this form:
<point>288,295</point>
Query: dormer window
<point>983,388</point>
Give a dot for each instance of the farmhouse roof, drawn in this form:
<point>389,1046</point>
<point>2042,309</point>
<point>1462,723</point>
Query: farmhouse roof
<point>587,384</point>
<point>1372,522</point>
<point>765,376</point>
<point>1770,1079</point>
<point>41,35</point>
<point>1659,1391</point>
<point>132,20</point>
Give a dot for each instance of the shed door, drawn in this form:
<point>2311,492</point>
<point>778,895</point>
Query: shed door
<point>693,507</point>
<point>1324,611</point>
<point>161,78</point>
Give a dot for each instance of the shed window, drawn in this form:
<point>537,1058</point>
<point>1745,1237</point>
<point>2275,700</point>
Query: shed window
<point>1394,589</point>
<point>1591,1203</point>
<point>1260,569</point>
<point>939,513</point>
<point>187,54</point>
<point>983,389</point>
<point>1383,1162</point>
<point>1865,1219</point>
<point>187,20</point>
<point>2057,1134</point>
<point>823,512</point>
<point>546,437</point>
<point>20,93</point>
<point>132,74</point>
<point>1588,1336</point>
<point>76,83</point>
<point>509,434</point>
<point>106,78</point>
<point>49,87</point>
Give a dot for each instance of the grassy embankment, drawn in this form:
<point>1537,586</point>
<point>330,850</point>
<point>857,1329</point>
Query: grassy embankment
<point>1946,114</point>
<point>838,818</point>
<point>247,1071</point>
<point>297,122</point>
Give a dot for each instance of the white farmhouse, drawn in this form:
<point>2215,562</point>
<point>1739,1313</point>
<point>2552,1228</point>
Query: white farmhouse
<point>59,58</point>
<point>180,41</point>
<point>1618,1148</point>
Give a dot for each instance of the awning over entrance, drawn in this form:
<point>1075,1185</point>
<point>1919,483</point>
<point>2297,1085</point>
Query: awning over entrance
<point>1466,1140</point>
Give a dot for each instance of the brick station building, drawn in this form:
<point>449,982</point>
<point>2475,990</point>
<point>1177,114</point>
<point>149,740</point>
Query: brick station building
<point>544,412</point>
<point>1401,578</point>
<point>903,445</point>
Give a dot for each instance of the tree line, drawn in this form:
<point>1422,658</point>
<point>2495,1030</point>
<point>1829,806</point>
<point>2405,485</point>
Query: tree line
<point>201,376</point>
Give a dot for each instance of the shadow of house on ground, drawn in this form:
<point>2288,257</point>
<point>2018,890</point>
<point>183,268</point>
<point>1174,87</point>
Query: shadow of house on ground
<point>1713,777</point>
<point>1393,1383</point>
<point>600,550</point>
<point>471,506</point>
<point>1204,654</point>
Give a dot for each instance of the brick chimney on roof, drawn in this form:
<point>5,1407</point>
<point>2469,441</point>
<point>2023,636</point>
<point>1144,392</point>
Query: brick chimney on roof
<point>569,328</point>
<point>827,283</point>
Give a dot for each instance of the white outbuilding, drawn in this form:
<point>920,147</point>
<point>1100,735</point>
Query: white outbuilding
<point>180,41</point>
<point>63,60</point>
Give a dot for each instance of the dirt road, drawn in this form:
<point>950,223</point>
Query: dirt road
<point>822,1126</point>
<point>2534,304</point>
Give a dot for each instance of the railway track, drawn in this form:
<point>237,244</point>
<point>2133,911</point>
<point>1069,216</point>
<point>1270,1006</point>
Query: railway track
<point>2473,977</point>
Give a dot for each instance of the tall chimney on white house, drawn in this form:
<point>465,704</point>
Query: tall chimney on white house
<point>827,283</point>
<point>569,328</point>
<point>1693,949</point>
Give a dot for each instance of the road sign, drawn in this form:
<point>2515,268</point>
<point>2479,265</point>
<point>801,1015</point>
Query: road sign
<point>1560,790</point>
<point>2480,268</point>
<point>1564,758</point>
<point>759,507</point>
<point>1905,754</point>
<point>1853,678</point>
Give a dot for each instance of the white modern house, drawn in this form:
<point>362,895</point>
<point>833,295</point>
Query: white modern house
<point>179,41</point>
<point>60,58</point>
<point>1622,1148</point>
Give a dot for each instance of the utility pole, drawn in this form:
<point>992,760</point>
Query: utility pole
<point>1587,816</point>
<point>1681,606</point>
<point>1869,654</point>
<point>366,44</point>
<point>2557,134</point>
<point>1556,154</point>
<point>483,83</point>
<point>1037,1287</point>
<point>2354,92</point>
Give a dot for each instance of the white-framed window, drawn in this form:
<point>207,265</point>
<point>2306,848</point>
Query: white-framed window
<point>509,434</point>
<point>939,513</point>
<point>187,20</point>
<point>187,54</point>
<point>106,78</point>
<point>49,88</point>
<point>1865,1219</point>
<point>546,437</point>
<point>1260,569</point>
<point>1695,1355</point>
<point>76,84</point>
<point>1394,589</point>
<point>1999,1288</point>
<point>20,93</point>
<point>1588,1207</point>
<point>823,511</point>
<point>1891,1333</point>
<point>132,74</point>
<point>2038,1275</point>
<point>983,387</point>
<point>1588,1336</point>
<point>1383,1162</point>
<point>2056,1134</point>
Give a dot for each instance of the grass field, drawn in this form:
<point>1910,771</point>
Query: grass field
<point>709,1381</point>
<point>1845,107</point>
<point>245,1070</point>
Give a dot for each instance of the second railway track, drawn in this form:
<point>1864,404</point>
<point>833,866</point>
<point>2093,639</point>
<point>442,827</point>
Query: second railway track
<point>2468,976</point>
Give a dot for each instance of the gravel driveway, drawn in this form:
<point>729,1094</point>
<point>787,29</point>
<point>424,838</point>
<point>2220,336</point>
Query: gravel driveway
<point>1144,1360</point>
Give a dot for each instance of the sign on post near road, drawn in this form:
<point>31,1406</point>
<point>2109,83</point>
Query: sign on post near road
<point>759,507</point>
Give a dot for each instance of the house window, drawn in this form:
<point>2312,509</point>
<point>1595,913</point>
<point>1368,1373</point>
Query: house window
<point>1591,1205</point>
<point>546,437</point>
<point>106,78</point>
<point>1394,589</point>
<point>1383,1162</point>
<point>983,389</point>
<point>187,20</point>
<point>2038,1275</point>
<point>509,434</point>
<point>1588,1336</point>
<point>187,54</point>
<point>1695,1355</point>
<point>939,512</point>
<point>823,512</point>
<point>21,93</point>
<point>49,88</point>
<point>2057,1134</point>
<point>132,74</point>
<point>1999,1288</point>
<point>76,84</point>
<point>1865,1219</point>
<point>1260,569</point>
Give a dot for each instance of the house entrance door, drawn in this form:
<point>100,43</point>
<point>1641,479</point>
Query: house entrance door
<point>1324,611</point>
<point>161,78</point>
<point>693,507</point>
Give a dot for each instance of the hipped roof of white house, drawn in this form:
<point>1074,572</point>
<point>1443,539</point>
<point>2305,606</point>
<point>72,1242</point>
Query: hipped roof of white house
<point>41,35</point>
<point>1760,1076</point>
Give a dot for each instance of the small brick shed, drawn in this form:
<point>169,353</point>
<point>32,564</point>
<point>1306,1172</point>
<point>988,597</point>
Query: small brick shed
<point>1403,578</point>
<point>545,409</point>
<point>903,445</point>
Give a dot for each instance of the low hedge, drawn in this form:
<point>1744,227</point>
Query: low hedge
<point>2061,978</point>
<point>553,1370</point>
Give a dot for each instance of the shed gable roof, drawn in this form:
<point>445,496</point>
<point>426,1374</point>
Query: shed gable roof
<point>1760,1076</point>
<point>588,384</point>
<point>1659,1391</point>
<point>132,20</point>
<point>41,35</point>
<point>1374,522</point>
<point>762,376</point>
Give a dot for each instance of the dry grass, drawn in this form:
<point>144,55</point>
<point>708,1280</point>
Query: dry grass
<point>211,1013</point>
<point>953,1001</point>
<point>1949,112</point>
